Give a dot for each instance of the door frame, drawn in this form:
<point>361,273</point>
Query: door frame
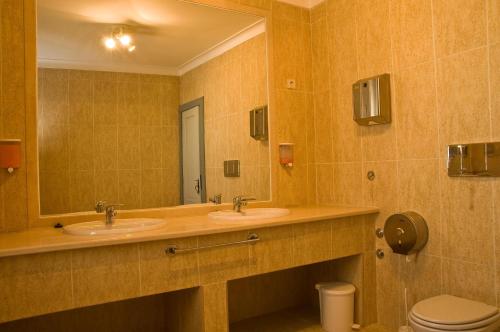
<point>200,102</point>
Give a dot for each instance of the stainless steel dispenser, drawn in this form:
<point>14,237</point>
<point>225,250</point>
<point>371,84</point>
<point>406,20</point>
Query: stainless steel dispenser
<point>258,123</point>
<point>406,233</point>
<point>372,100</point>
<point>477,159</point>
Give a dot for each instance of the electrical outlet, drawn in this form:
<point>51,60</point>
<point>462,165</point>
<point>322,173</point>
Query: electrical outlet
<point>291,84</point>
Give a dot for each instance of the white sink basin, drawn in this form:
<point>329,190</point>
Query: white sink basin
<point>120,226</point>
<point>249,214</point>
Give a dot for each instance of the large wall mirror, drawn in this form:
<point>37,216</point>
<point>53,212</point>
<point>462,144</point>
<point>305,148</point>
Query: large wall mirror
<point>140,102</point>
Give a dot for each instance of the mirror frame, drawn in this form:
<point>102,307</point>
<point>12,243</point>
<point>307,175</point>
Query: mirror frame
<point>31,70</point>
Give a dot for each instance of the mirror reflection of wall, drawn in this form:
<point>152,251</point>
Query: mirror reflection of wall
<point>109,121</point>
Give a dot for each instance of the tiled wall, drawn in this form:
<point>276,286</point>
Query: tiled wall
<point>13,188</point>
<point>107,136</point>
<point>444,60</point>
<point>232,84</point>
<point>294,107</point>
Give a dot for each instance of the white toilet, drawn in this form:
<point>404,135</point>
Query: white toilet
<point>451,313</point>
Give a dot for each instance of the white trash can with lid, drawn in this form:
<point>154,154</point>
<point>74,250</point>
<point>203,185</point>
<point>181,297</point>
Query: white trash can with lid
<point>336,301</point>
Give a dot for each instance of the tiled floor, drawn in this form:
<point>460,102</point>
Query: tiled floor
<point>290,320</point>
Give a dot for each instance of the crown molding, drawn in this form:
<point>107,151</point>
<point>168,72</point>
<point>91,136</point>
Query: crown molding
<point>224,46</point>
<point>303,3</point>
<point>125,68</point>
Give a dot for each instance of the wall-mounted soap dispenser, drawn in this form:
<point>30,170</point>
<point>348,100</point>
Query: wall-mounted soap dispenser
<point>372,100</point>
<point>10,154</point>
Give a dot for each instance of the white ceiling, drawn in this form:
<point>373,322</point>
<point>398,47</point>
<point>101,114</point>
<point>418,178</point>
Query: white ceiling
<point>169,34</point>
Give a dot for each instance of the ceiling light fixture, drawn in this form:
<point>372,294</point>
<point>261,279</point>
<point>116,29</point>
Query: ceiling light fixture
<point>125,40</point>
<point>119,38</point>
<point>110,43</point>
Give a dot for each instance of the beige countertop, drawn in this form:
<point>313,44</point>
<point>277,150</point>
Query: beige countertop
<point>46,239</point>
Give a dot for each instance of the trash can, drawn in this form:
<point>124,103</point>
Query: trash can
<point>336,302</point>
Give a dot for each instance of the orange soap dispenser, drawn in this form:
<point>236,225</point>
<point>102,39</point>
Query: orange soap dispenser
<point>10,154</point>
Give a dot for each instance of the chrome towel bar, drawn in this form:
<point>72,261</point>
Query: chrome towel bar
<point>251,238</point>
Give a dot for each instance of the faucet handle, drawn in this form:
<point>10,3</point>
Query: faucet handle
<point>217,199</point>
<point>100,206</point>
<point>247,198</point>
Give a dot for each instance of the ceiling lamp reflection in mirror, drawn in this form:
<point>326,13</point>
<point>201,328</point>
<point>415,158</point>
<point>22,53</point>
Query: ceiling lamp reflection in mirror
<point>119,38</point>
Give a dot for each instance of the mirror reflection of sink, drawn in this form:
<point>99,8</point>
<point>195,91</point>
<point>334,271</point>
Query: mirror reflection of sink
<point>249,214</point>
<point>120,226</point>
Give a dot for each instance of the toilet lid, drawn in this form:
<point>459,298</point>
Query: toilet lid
<point>448,309</point>
<point>455,327</point>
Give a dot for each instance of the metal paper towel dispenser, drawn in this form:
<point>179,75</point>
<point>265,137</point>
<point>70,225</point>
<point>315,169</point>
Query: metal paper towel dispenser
<point>372,100</point>
<point>258,123</point>
<point>406,233</point>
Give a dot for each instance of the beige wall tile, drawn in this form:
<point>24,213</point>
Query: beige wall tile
<point>459,25</point>
<point>347,188</point>
<point>151,143</point>
<point>151,188</point>
<point>419,191</point>
<point>348,236</point>
<point>129,189</point>
<point>81,143</point>
<point>80,96</point>
<point>161,272</point>
<point>463,97</point>
<point>215,311</point>
<point>464,200</point>
<point>469,280</point>
<point>81,191</point>
<point>423,278</point>
<point>412,32</point>
<point>369,289</point>
<point>105,274</point>
<point>54,153</point>
<point>106,186</point>
<point>381,192</point>
<point>323,128</point>
<point>324,183</point>
<point>105,102</point>
<point>129,147</point>
<point>106,147</point>
<point>389,288</point>
<point>372,34</point>
<point>320,59</point>
<point>379,142</point>
<point>312,242</point>
<point>291,109</point>
<point>417,114</point>
<point>274,251</point>
<point>128,102</point>
<point>54,192</point>
<point>223,263</point>
<point>493,23</point>
<point>318,12</point>
<point>495,89</point>
<point>35,284</point>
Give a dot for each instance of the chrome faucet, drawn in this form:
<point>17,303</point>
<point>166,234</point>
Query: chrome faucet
<point>101,207</point>
<point>217,199</point>
<point>240,201</point>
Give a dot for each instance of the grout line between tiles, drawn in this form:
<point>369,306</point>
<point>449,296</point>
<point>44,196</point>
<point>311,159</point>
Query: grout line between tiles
<point>439,137</point>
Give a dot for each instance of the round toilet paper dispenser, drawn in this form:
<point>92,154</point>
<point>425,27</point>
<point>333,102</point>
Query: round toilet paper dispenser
<point>406,233</point>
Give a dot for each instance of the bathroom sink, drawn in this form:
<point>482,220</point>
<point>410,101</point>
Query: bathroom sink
<point>249,214</point>
<point>120,226</point>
